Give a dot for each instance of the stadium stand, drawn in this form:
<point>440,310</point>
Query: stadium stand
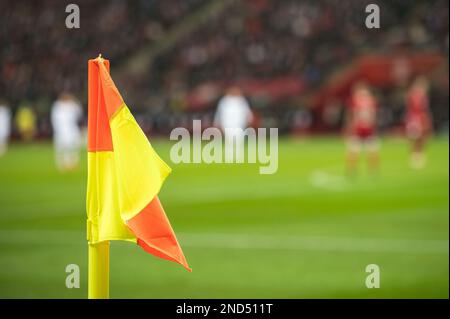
<point>281,52</point>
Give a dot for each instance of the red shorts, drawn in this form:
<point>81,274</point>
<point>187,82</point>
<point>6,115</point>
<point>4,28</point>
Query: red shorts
<point>364,132</point>
<point>416,127</point>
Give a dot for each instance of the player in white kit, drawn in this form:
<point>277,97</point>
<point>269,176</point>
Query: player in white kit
<point>5,126</point>
<point>233,116</point>
<point>65,116</point>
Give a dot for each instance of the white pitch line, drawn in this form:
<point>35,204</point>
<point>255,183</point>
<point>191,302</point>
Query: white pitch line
<point>321,179</point>
<point>316,243</point>
<point>249,242</point>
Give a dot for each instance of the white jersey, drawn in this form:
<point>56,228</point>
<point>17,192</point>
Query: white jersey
<point>5,122</point>
<point>64,117</point>
<point>233,112</point>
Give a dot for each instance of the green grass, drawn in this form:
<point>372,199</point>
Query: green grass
<point>305,232</point>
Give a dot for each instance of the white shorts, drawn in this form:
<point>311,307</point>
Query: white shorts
<point>356,144</point>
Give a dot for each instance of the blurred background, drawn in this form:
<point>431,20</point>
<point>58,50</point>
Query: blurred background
<point>307,231</point>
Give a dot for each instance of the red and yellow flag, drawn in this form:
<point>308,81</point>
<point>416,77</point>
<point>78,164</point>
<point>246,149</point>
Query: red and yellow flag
<point>124,174</point>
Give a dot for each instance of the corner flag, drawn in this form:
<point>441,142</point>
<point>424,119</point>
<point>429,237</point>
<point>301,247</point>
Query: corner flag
<point>125,175</point>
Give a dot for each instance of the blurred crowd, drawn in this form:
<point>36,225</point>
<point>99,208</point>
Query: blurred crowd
<point>40,57</point>
<point>265,39</point>
<point>249,40</point>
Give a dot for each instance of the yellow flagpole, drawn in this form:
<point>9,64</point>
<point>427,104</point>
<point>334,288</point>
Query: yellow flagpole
<point>98,272</point>
<point>98,282</point>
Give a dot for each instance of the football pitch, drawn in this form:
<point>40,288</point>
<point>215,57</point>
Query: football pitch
<point>308,231</point>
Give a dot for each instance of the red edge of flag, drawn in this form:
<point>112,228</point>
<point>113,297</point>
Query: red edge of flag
<point>155,235</point>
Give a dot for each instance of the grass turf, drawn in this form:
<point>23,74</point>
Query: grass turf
<point>307,231</point>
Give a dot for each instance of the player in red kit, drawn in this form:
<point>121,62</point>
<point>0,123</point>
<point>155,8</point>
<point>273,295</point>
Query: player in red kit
<point>418,120</point>
<point>361,127</point>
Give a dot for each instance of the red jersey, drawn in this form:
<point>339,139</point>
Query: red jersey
<point>363,109</point>
<point>417,112</point>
